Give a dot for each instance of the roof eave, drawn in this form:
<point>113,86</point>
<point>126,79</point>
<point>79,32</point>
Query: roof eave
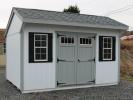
<point>52,22</point>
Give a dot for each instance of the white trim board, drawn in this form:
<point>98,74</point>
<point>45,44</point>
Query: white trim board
<point>70,87</point>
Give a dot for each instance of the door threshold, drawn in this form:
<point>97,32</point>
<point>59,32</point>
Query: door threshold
<point>89,83</point>
<point>75,85</point>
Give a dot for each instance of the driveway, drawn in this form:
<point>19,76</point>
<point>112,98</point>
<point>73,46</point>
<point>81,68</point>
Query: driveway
<point>123,91</point>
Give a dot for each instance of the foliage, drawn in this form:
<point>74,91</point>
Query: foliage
<point>2,39</point>
<point>1,49</point>
<point>72,9</point>
<point>127,59</point>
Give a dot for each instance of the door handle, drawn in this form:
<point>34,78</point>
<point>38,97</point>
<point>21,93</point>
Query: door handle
<point>78,60</point>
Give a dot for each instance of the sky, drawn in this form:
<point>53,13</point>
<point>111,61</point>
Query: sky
<point>120,10</point>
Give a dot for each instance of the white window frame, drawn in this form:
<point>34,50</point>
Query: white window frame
<point>107,48</point>
<point>41,47</point>
<point>67,40</point>
<point>86,38</point>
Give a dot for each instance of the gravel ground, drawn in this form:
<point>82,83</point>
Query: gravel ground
<point>123,91</point>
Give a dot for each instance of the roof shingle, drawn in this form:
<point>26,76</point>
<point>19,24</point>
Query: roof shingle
<point>67,17</point>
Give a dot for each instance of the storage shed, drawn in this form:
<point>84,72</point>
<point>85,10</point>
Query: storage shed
<point>48,50</point>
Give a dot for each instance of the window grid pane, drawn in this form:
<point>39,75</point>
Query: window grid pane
<point>107,48</point>
<point>67,40</point>
<point>40,47</point>
<point>85,41</point>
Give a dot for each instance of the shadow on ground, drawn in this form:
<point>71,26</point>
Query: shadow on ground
<point>123,91</point>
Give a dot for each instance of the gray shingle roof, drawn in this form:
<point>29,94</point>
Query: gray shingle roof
<point>67,17</point>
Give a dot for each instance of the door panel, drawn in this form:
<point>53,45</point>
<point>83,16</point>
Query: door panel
<point>84,73</point>
<point>67,53</point>
<point>66,73</point>
<point>66,60</point>
<point>85,68</point>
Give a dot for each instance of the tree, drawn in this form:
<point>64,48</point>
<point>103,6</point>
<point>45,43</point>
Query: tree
<point>72,9</point>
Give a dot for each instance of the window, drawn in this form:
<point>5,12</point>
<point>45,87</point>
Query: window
<point>41,47</point>
<point>85,41</point>
<point>67,40</point>
<point>107,48</point>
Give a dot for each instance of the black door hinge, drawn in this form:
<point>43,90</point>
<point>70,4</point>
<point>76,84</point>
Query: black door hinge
<point>60,60</point>
<point>60,83</point>
<point>94,37</point>
<point>58,35</point>
<point>94,59</point>
<point>93,81</point>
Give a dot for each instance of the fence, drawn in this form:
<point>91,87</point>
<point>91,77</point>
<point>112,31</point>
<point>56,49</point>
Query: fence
<point>2,60</point>
<point>2,56</point>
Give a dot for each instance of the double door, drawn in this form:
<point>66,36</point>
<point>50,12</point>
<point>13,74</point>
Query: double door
<point>75,59</point>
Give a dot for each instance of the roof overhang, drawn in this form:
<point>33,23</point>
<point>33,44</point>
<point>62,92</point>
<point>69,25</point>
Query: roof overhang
<point>52,22</point>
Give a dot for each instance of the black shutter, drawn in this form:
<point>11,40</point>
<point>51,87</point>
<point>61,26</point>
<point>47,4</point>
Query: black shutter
<point>113,48</point>
<point>100,48</point>
<point>50,47</point>
<point>31,47</point>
